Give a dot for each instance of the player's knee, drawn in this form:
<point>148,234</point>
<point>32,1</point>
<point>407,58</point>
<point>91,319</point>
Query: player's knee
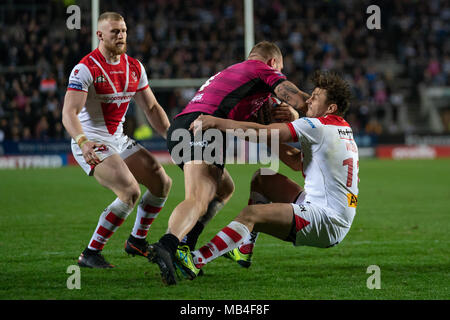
<point>132,194</point>
<point>226,191</point>
<point>257,181</point>
<point>248,215</point>
<point>166,185</point>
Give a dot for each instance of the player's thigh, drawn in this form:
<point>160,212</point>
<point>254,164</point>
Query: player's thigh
<point>272,218</point>
<point>149,172</point>
<point>275,187</point>
<point>114,174</point>
<point>201,180</point>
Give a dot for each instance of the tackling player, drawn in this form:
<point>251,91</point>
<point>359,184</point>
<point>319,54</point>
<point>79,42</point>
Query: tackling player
<point>236,92</point>
<point>99,91</point>
<point>320,215</point>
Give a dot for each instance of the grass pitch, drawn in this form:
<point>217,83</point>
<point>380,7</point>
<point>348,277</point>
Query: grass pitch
<point>47,217</point>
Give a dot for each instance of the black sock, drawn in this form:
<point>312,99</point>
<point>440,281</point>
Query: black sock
<point>170,242</point>
<point>192,237</point>
<point>88,251</point>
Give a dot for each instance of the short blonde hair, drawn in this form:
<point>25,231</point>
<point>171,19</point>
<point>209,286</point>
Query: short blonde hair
<point>109,15</point>
<point>267,50</point>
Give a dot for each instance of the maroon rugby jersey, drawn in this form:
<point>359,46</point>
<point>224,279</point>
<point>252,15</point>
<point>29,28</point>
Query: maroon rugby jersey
<point>236,92</point>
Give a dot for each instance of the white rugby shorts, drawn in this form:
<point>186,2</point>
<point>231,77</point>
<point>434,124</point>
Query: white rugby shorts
<point>316,226</point>
<point>124,146</point>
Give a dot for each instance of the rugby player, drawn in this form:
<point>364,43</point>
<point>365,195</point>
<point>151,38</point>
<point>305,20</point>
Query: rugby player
<point>321,213</point>
<point>236,92</point>
<point>98,95</point>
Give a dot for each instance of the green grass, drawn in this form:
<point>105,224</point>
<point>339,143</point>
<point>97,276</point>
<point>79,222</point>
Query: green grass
<point>402,225</point>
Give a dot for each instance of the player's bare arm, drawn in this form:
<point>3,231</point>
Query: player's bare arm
<point>288,92</point>
<point>205,122</point>
<point>284,113</point>
<point>73,103</point>
<point>155,114</point>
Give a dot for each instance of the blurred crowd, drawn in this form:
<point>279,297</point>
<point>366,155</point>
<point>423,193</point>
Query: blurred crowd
<point>196,39</point>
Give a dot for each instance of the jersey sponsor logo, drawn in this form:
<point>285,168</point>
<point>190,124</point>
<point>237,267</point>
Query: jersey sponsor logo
<point>346,134</point>
<point>114,72</point>
<point>75,72</point>
<point>75,85</point>
<point>100,79</point>
<point>309,122</point>
<point>134,76</point>
<point>352,200</point>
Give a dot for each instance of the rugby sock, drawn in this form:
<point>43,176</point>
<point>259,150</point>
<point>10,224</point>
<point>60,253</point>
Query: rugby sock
<point>170,242</point>
<point>227,239</point>
<point>147,211</point>
<point>249,243</point>
<point>111,219</point>
<point>191,238</point>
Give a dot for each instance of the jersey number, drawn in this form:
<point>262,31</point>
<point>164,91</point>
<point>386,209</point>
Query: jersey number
<point>208,82</point>
<point>349,162</point>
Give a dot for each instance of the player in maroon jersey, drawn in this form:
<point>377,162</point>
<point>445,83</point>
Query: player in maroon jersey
<point>99,91</point>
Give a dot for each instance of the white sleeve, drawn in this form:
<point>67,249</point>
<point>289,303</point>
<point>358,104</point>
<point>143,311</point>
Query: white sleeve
<point>80,78</point>
<point>310,129</point>
<point>143,81</point>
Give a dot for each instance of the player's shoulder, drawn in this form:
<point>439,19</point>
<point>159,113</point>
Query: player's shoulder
<point>314,123</point>
<point>87,59</point>
<point>134,62</point>
<point>333,120</point>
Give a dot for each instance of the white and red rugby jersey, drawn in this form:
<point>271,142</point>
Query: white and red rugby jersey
<point>110,88</point>
<point>330,164</point>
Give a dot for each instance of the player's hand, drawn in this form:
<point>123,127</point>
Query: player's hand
<point>89,154</point>
<point>284,113</point>
<point>202,123</point>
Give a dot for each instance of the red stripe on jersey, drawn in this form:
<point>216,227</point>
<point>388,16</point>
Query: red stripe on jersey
<point>300,223</point>
<point>147,221</point>
<point>72,89</point>
<point>292,130</point>
<point>333,120</point>
<point>97,245</point>
<point>152,209</point>
<point>219,243</point>
<point>115,220</point>
<point>113,114</point>
<point>105,233</point>
<point>137,90</point>
<point>232,234</point>
<point>205,251</point>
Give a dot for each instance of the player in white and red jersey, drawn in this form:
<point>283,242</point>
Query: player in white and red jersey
<point>100,89</point>
<point>321,213</point>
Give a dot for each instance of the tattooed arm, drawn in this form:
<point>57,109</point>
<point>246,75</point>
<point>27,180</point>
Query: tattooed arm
<point>288,92</point>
